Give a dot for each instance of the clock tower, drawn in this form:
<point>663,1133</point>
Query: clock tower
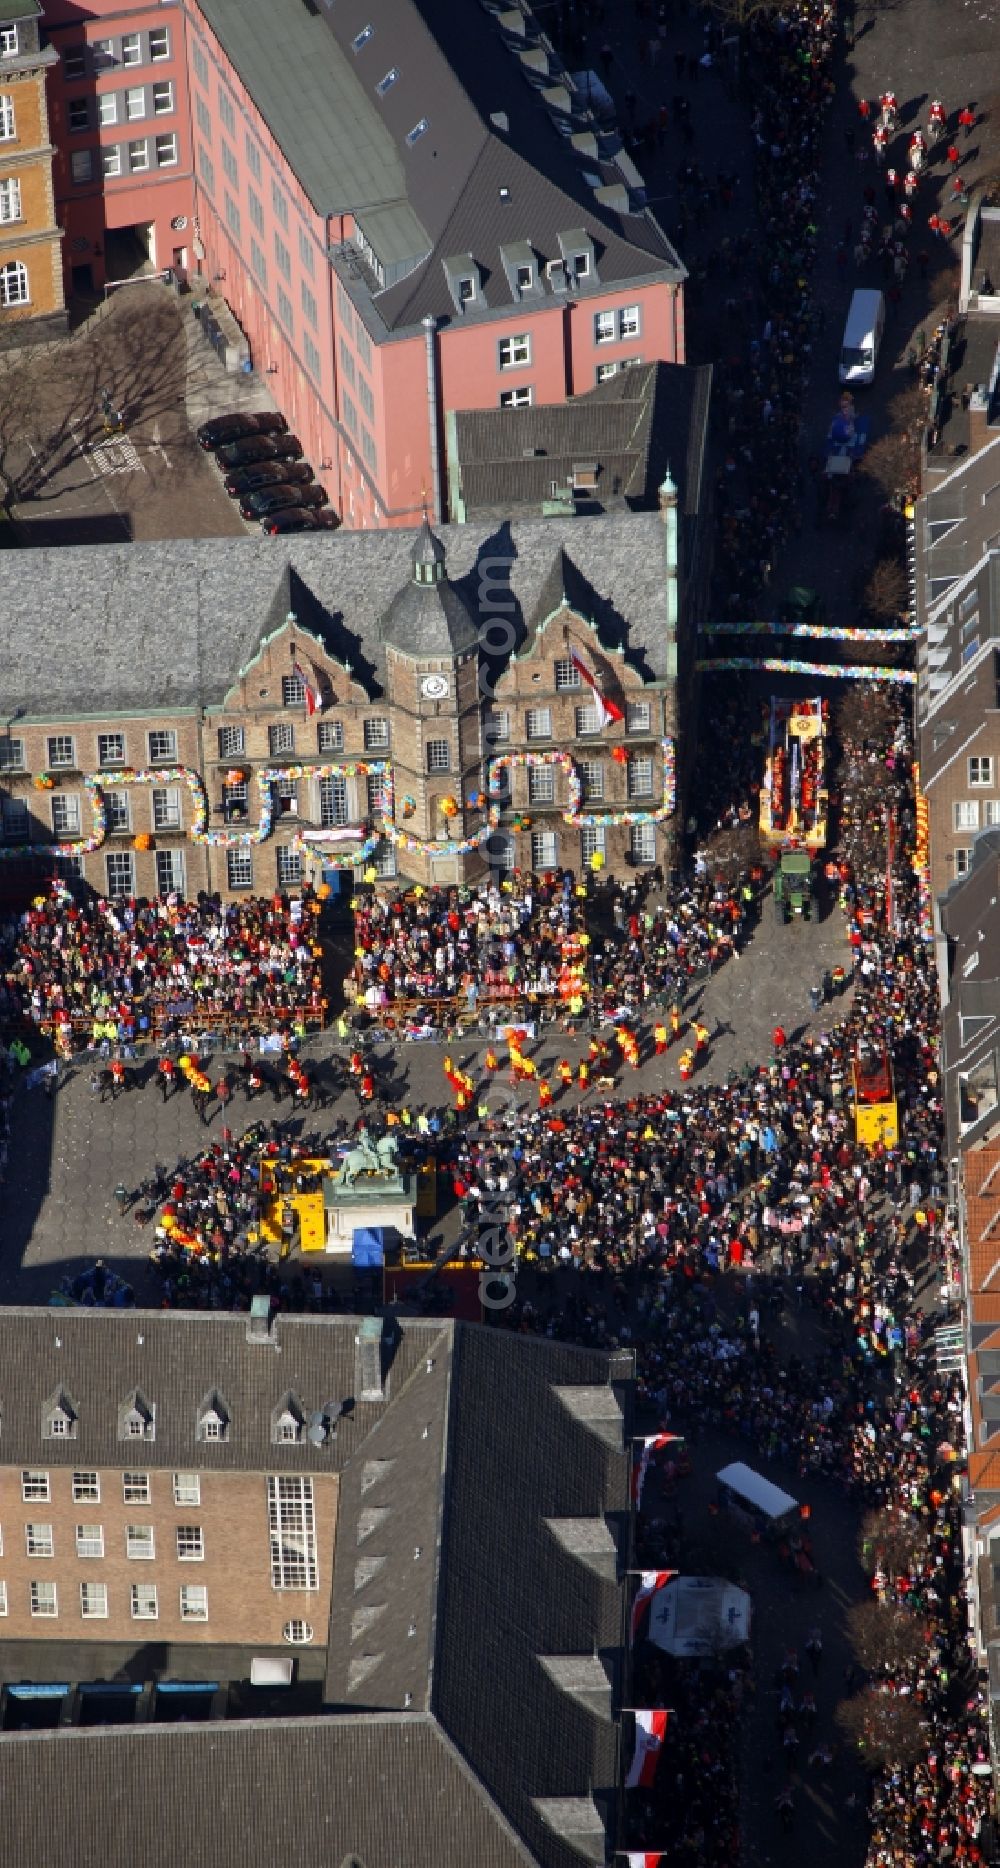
<point>432,662</point>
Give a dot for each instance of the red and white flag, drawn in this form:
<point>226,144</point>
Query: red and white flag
<point>644,1858</point>
<point>650,1583</point>
<point>650,1732</point>
<point>651,1444</point>
<point>607,710</point>
<point>312,695</point>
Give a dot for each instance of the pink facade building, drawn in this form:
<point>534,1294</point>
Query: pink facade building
<point>119,115</point>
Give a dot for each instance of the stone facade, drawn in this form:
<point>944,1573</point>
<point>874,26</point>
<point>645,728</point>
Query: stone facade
<point>31,283</point>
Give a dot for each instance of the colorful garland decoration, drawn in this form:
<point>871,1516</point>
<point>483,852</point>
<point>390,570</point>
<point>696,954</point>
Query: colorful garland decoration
<point>828,632</point>
<point>308,842</point>
<point>902,677</point>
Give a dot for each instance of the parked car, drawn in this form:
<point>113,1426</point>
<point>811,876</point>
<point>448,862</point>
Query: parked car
<point>223,429</point>
<point>260,448</point>
<point>301,519</point>
<point>272,498</point>
<point>267,473</point>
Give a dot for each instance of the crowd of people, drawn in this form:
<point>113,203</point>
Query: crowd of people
<point>109,974</point>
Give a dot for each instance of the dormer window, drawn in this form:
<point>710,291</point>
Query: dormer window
<point>466,291</point>
<point>287,1423</point>
<point>213,1419</point>
<point>59,1421</point>
<point>581,264</point>
<point>525,278</point>
<point>136,1419</point>
<point>361,39</point>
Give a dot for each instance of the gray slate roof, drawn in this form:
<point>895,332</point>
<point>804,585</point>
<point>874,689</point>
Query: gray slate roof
<point>632,427</point>
<point>439,196</point>
<point>93,647</point>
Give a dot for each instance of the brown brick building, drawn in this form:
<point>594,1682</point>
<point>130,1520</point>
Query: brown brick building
<point>31,278</point>
<point>246,715</point>
<point>385,1558</point>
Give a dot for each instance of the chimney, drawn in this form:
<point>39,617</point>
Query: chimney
<point>259,1321</point>
<point>368,1360</point>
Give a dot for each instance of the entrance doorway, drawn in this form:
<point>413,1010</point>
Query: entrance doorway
<point>130,251</point>
<point>82,281</point>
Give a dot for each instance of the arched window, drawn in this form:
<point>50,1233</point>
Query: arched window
<point>7,131</point>
<point>13,283</point>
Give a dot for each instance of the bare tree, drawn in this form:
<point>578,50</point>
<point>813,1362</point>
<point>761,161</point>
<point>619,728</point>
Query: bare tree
<point>889,1541</point>
<point>885,591</point>
<point>739,13</point>
<point>883,1637</point>
<point>885,1727</point>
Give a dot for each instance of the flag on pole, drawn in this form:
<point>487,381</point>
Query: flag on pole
<point>651,1444</point>
<point>644,1858</point>
<point>650,1583</point>
<point>650,1732</point>
<point>606,709</point>
<point>311,693</point>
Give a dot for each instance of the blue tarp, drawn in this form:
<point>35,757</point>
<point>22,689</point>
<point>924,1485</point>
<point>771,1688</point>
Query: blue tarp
<point>187,1686</point>
<point>37,1692</point>
<point>368,1246</point>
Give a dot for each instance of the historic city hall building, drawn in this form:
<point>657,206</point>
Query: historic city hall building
<point>242,715</point>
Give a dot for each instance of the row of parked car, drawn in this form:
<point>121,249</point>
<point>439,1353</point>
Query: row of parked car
<point>263,468</point>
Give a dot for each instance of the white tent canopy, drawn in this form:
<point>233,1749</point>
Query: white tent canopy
<point>698,1615</point>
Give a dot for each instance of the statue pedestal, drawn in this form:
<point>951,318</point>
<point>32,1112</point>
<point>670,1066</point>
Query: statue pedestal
<point>370,1200</point>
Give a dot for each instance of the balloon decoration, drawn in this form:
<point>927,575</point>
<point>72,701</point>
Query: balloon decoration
<point>43,781</point>
<point>409,804</point>
<point>829,632</point>
<point>143,841</point>
<point>449,807</point>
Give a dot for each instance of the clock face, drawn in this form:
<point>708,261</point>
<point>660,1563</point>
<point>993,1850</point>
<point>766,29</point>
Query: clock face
<point>434,687</point>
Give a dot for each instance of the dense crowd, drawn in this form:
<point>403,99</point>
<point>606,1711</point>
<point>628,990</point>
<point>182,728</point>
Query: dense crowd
<point>109,973</point>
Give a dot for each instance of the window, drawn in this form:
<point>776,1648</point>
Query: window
<point>227,112</point>
<point>212,1422</point>
<point>309,304</point>
<point>640,778</point>
<point>233,218</point>
<point>206,169</point>
<point>94,1601</point>
<point>204,117</point>
<point>60,750</point>
<point>292,1526</point>
<point>991,813</point>
<point>252,152</point>
<point>567,675</point>
<point>7,119</point>
<point>643,844</point>
<point>90,1540</point>
<point>604,327</point>
<point>279,203</point>
<point>159,45</point>
<point>376,735</point>
<point>86,1488</point>
<point>314,362</point>
<point>981,771</point>
<point>283,256</point>
<point>967,814</point>
<point>592,779</point>
<point>121,874</point>
<point>118,810</point>
<point>514,353</point>
<point>235,801</point>
<point>293,691</point>
<point>368,449</point>
<point>170,872</point>
<point>66,816</point>
<point>962,860</point>
<point>14,819</point>
<point>385,84</point>
<point>59,1421</point>
<point>43,1599</point>
<point>11,754</point>
<point>111,161</point>
<point>544,849</point>
<point>285,311</point>
<point>187,1488</point>
<point>239,867</point>
<point>258,263</point>
<point>73,61</point>
<point>162,747</point>
<point>230,166</point>
<point>131,49</point>
<point>35,1486</point>
<point>10,200</point>
<point>362,38</point>
<point>138,157</point>
<point>166,809</point>
<point>78,113</point>
<point>542,784</point>
<point>525,278</point>
<point>350,413</point>
<point>629,321</point>
<point>8,41</point>
<point>363,341</point>
<point>385,858</point>
<point>497,725</point>
<point>256,207</point>
<point>517,398</point>
<point>3,1598</point>
<point>139,1541</point>
<point>232,739</point>
<point>81,165</point>
<point>638,717</point>
<point>38,1540</point>
<point>591,842</point>
<point>163,98</point>
<point>289,869</point>
<point>418,130</point>
<point>305,251</point>
<point>330,736</point>
<point>190,1543</point>
<point>438,755</point>
<point>194,1602</point>
<point>135,105</point>
<point>136,1488</point>
<point>332,803</point>
<point>538,723</point>
<point>110,749</point>
<point>103,54</point>
<point>144,1608</point>
<point>588,721</point>
<point>366,399</point>
<point>298,1634</point>
<point>287,1428</point>
<point>281,738</point>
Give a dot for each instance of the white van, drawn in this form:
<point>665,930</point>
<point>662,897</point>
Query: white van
<point>862,337</point>
<point>748,1492</point>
